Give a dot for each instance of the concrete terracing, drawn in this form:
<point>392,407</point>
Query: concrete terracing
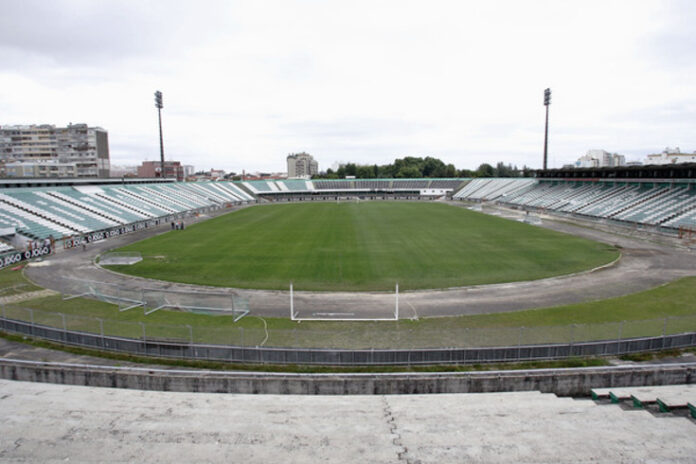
<point>59,423</point>
<point>644,264</point>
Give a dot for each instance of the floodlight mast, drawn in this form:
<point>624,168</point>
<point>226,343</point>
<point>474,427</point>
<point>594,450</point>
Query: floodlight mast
<point>547,102</point>
<point>159,106</point>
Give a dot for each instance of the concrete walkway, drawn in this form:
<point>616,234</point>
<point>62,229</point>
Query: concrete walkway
<point>60,423</point>
<point>27,296</point>
<point>643,265</point>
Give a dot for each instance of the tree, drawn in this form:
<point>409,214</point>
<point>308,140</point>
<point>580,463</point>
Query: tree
<point>485,170</point>
<point>408,172</point>
<point>433,167</point>
<point>365,172</point>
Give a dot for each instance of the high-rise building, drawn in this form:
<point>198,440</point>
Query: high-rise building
<point>85,148</point>
<point>301,165</point>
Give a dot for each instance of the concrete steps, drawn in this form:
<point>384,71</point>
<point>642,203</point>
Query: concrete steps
<point>46,422</point>
<point>666,398</point>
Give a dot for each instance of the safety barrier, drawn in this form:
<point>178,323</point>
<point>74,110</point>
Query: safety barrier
<point>175,349</point>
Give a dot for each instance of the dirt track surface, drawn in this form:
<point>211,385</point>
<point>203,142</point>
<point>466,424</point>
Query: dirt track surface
<point>644,264</point>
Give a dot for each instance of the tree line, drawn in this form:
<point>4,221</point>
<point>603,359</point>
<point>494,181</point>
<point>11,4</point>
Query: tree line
<point>415,167</point>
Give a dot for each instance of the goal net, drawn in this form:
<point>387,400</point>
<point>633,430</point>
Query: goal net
<point>197,302</point>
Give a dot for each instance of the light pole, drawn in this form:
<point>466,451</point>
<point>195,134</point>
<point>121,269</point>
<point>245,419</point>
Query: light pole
<point>159,106</point>
<point>547,102</point>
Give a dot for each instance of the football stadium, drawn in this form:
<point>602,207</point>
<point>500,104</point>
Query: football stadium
<point>550,289</point>
<point>355,272</point>
<point>348,232</point>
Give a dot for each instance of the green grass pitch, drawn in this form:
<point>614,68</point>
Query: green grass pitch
<point>361,247</point>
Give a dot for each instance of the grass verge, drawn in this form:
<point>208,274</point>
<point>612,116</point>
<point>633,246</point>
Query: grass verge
<point>668,308</point>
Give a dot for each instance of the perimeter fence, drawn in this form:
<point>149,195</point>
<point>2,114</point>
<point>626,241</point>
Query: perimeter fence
<point>177,347</point>
<point>402,335</point>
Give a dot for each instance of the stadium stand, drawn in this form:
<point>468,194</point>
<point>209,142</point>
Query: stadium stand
<point>129,197</point>
<point>410,184</point>
<point>87,208</point>
<point>63,211</point>
<point>234,190</point>
<point>332,184</point>
<point>184,196</point>
<point>25,204</point>
<point>205,191</point>
<point>42,212</point>
<point>5,248</point>
<point>371,184</point>
<point>445,184</point>
<point>492,189</point>
<point>90,200</point>
<point>257,186</point>
<point>666,397</point>
<point>31,225</point>
<point>293,185</point>
<point>669,205</point>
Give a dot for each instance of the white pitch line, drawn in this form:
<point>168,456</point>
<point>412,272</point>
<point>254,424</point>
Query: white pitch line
<point>333,314</point>
<point>265,328</point>
<point>415,313</point>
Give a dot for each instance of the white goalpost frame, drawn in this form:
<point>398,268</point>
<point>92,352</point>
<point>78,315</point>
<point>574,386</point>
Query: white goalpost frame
<point>295,317</point>
<point>124,303</point>
<point>237,313</point>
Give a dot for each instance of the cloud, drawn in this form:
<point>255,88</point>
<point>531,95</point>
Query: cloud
<point>247,82</point>
<point>88,33</point>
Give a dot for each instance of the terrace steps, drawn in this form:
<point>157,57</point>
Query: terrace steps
<point>35,212</point>
<point>123,204</point>
<point>662,399</point>
<point>66,199</point>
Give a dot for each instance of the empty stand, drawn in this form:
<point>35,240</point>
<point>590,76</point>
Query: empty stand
<point>333,184</point>
<point>410,184</point>
<point>667,205</point>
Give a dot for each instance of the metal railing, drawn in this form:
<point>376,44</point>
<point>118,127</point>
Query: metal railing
<point>386,343</point>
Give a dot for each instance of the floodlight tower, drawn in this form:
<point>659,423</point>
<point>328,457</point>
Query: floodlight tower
<point>159,106</point>
<point>547,102</point>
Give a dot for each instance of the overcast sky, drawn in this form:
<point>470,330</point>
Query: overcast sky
<point>246,83</point>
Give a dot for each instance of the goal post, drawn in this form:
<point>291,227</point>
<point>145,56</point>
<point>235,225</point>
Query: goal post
<point>310,306</point>
<point>211,303</point>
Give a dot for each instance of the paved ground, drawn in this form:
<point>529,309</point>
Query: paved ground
<point>22,351</point>
<point>26,296</point>
<point>60,423</point>
<point>644,264</point>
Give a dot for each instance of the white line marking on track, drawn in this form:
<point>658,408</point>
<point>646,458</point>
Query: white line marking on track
<point>415,313</point>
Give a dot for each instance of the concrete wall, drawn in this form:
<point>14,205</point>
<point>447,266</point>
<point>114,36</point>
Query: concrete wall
<point>565,382</point>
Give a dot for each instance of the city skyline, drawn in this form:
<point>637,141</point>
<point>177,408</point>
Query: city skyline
<point>245,84</point>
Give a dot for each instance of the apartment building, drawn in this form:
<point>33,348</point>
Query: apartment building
<point>301,165</point>
<point>86,148</point>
